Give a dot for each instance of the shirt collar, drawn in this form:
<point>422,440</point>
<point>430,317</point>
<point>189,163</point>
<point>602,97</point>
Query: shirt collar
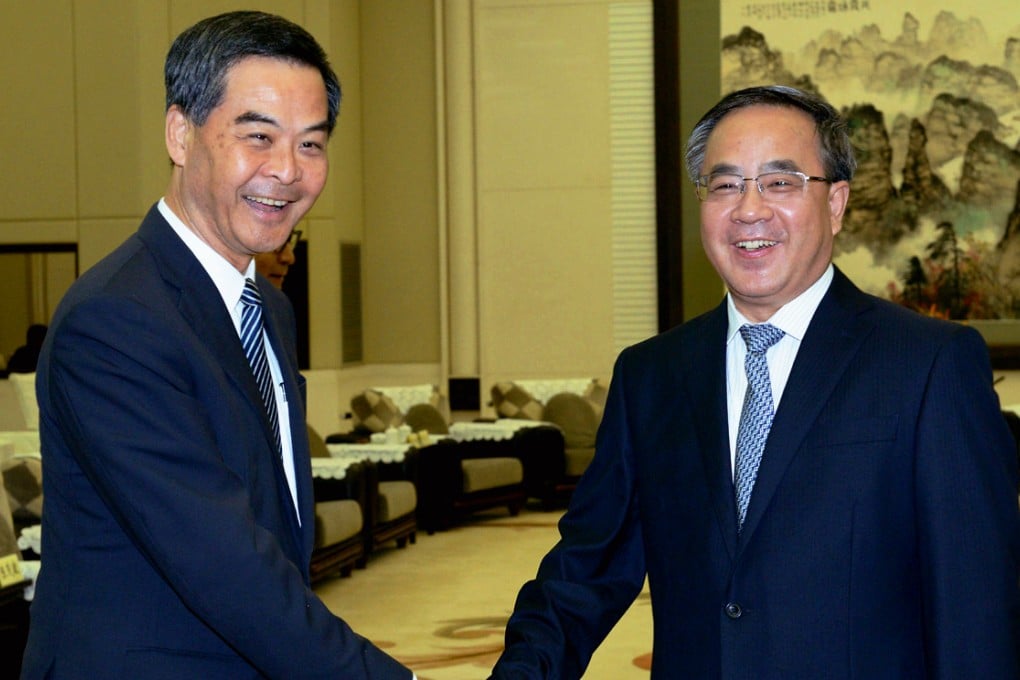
<point>229,282</point>
<point>792,318</point>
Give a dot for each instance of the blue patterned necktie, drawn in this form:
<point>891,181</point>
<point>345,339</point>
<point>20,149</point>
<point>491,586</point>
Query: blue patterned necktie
<point>756,415</point>
<point>255,350</point>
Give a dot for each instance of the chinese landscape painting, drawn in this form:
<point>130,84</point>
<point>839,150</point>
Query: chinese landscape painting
<point>933,102</point>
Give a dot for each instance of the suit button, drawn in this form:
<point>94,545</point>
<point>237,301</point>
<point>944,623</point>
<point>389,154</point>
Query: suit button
<point>734,611</point>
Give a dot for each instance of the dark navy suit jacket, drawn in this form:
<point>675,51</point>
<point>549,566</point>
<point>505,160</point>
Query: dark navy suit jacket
<point>171,546</point>
<point>882,538</point>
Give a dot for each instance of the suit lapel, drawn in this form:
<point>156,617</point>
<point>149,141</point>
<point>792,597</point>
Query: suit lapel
<point>199,304</point>
<point>704,379</point>
<point>181,270</point>
<point>833,338</point>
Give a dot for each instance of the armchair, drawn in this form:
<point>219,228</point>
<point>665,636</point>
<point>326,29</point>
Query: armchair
<point>395,513</point>
<point>390,514</point>
<point>458,478</point>
<point>339,516</point>
<point>574,407</point>
<point>378,408</point>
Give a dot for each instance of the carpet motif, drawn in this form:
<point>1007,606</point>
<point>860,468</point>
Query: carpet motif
<point>440,606</point>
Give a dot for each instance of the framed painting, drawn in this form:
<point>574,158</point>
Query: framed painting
<point>932,98</point>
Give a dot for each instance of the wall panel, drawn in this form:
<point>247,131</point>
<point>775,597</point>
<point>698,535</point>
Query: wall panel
<point>37,107</point>
<point>122,165</point>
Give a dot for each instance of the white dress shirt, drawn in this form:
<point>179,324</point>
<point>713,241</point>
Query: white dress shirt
<point>793,319</point>
<point>230,283</point>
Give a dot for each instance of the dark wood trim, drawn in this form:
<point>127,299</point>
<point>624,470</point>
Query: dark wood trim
<point>38,248</point>
<point>1005,357</point>
<point>30,248</point>
<point>295,286</point>
<point>669,235</point>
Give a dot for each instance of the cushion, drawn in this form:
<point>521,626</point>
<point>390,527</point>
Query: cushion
<point>406,396</point>
<point>375,412</point>
<point>24,386</point>
<point>490,473</point>
<point>336,521</point>
<point>426,417</point>
<point>575,416</point>
<point>396,499</point>
<point>513,401</point>
<point>23,484</point>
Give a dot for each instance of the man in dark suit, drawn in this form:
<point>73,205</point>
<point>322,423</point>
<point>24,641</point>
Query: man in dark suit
<point>873,532</point>
<point>178,523</point>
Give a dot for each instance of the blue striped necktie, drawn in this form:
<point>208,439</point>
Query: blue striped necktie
<point>255,350</point>
<point>757,412</point>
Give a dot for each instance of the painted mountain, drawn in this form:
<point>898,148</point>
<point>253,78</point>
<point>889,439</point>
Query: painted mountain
<point>934,215</point>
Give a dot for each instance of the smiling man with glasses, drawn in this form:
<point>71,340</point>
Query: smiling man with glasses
<point>816,483</point>
<point>770,245</point>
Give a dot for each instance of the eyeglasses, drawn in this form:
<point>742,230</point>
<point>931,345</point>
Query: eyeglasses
<point>773,186</point>
<point>291,241</point>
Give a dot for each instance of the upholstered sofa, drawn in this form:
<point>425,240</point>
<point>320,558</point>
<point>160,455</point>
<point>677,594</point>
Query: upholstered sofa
<point>340,527</point>
<point>574,407</point>
<point>452,478</point>
<point>377,409</point>
<point>391,515</point>
<point>394,515</point>
<point>456,479</point>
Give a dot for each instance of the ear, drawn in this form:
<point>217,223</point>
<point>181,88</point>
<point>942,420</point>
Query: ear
<point>178,132</point>
<point>839,195</point>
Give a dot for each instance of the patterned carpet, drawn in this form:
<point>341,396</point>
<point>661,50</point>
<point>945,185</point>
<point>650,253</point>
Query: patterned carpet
<point>440,605</point>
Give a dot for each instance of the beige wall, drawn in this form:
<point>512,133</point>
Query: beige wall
<point>83,111</point>
<point>400,276</point>
<point>543,190</point>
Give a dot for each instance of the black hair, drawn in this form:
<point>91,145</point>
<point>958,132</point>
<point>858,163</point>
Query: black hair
<point>198,60</point>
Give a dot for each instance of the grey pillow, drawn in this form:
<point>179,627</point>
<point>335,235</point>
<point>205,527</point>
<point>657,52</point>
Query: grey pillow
<point>513,401</point>
<point>426,417</point>
<point>574,415</point>
<point>374,411</point>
